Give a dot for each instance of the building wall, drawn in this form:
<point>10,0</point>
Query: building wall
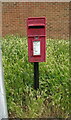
<point>15,14</point>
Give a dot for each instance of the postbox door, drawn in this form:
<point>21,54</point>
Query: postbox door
<point>36,30</point>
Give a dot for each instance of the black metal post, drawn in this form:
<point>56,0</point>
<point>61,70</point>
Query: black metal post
<point>36,75</point>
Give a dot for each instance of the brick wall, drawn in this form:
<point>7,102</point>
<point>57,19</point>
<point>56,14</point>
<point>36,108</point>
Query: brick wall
<point>15,14</point>
<point>70,23</point>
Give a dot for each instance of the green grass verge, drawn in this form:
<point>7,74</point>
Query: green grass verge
<point>53,96</point>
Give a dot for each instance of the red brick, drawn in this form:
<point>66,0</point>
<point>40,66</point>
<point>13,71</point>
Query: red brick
<point>15,14</point>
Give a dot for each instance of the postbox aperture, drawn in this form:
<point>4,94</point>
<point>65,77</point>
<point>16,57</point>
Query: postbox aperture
<point>36,32</point>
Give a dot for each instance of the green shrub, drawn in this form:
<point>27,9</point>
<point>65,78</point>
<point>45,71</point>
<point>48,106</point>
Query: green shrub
<point>53,97</point>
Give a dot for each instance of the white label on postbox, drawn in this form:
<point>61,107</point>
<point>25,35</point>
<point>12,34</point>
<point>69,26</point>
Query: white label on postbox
<point>36,48</point>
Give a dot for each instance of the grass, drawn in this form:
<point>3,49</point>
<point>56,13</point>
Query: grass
<point>53,96</point>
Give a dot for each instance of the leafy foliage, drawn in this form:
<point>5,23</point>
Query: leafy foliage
<point>53,97</point>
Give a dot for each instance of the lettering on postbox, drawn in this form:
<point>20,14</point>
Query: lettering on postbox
<point>36,32</point>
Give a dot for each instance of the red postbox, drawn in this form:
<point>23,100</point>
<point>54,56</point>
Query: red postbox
<point>36,32</point>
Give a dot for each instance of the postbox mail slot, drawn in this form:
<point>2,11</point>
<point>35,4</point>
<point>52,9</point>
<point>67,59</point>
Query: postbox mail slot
<point>36,27</point>
<point>36,30</point>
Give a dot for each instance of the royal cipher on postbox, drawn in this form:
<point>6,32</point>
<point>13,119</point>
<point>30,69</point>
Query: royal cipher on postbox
<point>36,33</point>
